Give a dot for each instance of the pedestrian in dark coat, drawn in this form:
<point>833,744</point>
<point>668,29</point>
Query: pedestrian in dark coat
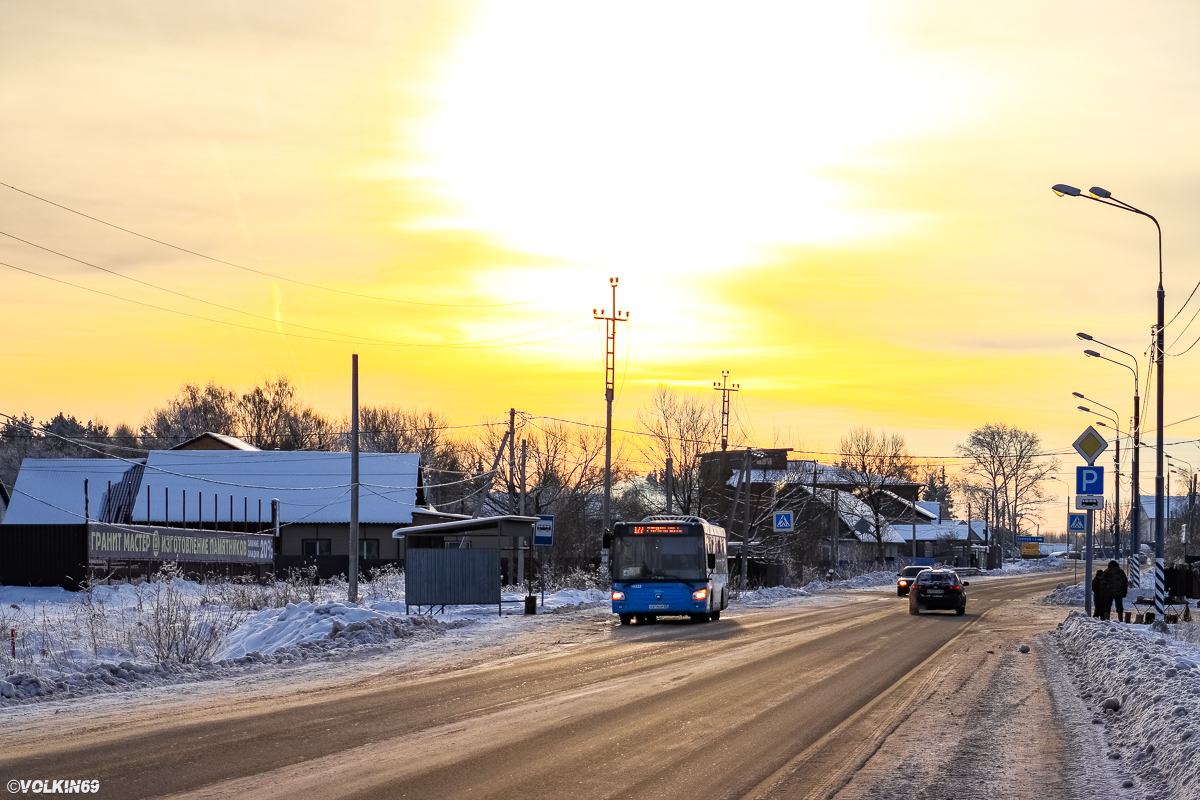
<point>1116,585</point>
<point>1099,595</point>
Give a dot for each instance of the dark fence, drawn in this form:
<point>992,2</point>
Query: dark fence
<point>452,576</point>
<point>330,566</point>
<point>43,555</point>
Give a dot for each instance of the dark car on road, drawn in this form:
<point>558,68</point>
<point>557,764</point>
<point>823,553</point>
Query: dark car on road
<point>907,576</point>
<point>938,588</point>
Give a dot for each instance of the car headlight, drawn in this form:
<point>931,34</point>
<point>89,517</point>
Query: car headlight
<point>701,594</point>
<point>618,595</point>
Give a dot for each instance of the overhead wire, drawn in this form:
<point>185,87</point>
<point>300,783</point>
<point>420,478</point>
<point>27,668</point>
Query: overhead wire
<point>483,344</point>
<point>258,271</point>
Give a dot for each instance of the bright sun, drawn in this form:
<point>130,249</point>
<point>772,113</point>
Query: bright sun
<point>673,137</point>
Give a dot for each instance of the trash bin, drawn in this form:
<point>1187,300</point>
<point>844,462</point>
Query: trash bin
<point>531,604</point>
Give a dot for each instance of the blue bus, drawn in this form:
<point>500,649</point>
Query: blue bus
<point>668,566</point>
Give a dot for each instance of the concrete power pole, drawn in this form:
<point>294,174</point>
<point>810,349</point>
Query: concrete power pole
<point>353,593</point>
<point>512,461</point>
<point>610,369</point>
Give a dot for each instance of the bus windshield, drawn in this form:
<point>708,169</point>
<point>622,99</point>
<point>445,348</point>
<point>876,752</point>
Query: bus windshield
<point>663,557</point>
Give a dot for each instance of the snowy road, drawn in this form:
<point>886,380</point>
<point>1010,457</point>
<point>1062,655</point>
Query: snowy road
<point>849,697</point>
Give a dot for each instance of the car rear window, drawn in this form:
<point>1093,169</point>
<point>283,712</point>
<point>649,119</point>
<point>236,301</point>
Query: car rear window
<point>936,577</point>
<point>910,572</point>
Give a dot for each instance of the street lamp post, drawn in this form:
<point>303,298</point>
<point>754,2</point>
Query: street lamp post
<point>1135,524</point>
<point>1105,197</point>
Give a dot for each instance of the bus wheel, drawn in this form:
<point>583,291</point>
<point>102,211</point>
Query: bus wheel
<point>714,615</point>
<point>700,617</point>
<point>626,618</point>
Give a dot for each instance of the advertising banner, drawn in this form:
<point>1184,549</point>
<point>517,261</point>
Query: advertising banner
<point>147,543</point>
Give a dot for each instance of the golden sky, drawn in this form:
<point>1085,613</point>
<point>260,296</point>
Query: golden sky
<point>846,205</point>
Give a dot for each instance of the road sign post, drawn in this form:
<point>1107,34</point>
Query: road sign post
<point>1087,568</point>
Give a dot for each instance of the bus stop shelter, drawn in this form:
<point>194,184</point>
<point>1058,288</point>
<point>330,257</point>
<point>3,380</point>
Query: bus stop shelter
<point>458,562</point>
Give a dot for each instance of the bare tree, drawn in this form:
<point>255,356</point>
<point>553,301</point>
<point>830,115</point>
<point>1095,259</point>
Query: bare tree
<point>1005,469</point>
<point>872,463</point>
<point>193,411</point>
<point>681,425</point>
<point>391,429</point>
<point>270,417</point>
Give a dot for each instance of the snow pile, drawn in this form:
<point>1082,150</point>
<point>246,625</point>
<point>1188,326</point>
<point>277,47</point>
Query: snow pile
<point>1065,594</point>
<point>871,580</point>
<point>1047,564</point>
<point>1145,690</point>
<point>768,595</point>
<point>342,624</point>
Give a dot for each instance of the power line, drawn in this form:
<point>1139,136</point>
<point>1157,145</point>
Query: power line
<point>223,307</point>
<point>483,344</point>
<point>263,272</point>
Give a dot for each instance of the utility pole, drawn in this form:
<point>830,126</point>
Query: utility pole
<point>610,370</point>
<point>521,539</point>
<point>353,594</point>
<point>512,461</point>
<point>725,387</point>
<point>669,478</point>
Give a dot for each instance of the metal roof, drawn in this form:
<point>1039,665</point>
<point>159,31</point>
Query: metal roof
<point>49,491</point>
<point>311,486</point>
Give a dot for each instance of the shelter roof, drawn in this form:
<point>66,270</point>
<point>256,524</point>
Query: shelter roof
<point>214,441</point>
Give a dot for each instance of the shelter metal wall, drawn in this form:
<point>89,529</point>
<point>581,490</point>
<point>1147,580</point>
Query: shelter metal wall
<point>43,555</point>
<point>452,576</point>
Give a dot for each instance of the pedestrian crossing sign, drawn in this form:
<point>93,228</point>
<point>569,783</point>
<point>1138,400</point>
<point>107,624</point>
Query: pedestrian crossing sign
<point>1077,522</point>
<point>783,521</point>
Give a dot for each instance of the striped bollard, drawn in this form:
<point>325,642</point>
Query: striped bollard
<point>1134,568</point>
<point>1160,587</point>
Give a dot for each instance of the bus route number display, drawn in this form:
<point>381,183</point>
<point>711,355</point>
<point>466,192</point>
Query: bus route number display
<point>639,530</point>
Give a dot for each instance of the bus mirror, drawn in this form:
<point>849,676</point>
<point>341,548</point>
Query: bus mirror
<point>712,560</point>
<point>607,540</point>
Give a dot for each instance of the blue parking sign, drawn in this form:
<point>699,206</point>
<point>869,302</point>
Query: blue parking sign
<point>1089,480</point>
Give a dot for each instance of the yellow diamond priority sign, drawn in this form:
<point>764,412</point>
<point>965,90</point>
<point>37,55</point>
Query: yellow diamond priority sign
<point>1090,445</point>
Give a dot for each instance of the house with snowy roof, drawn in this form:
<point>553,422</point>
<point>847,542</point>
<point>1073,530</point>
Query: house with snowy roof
<point>304,495</point>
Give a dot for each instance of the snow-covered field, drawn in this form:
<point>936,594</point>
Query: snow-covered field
<point>60,644</point>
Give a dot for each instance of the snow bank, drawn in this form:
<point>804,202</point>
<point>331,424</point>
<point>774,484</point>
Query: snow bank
<point>768,596</point>
<point>1145,689</point>
<point>871,580</point>
<point>1047,564</point>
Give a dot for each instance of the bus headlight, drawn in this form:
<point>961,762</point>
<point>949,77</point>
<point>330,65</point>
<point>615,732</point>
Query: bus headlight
<point>701,594</point>
<point>618,595</point>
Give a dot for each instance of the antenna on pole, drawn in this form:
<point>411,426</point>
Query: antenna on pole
<point>725,387</point>
<point>610,369</point>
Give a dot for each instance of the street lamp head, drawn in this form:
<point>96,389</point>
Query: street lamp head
<point>1084,408</point>
<point>1100,422</point>
<point>1061,189</point>
<point>1091,353</point>
<point>1077,394</point>
<point>1085,336</point>
<point>1096,191</point>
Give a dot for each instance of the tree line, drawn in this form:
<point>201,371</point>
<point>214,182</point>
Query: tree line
<point>560,465</point>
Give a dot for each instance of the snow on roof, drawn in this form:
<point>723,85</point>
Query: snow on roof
<point>803,472</point>
<point>857,516</point>
<point>49,491</point>
<point>950,529</point>
<point>311,486</point>
<point>220,439</point>
<point>933,509</point>
<point>1175,506</point>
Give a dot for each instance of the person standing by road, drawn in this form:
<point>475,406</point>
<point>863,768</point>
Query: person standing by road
<point>1099,595</point>
<point>1116,585</point>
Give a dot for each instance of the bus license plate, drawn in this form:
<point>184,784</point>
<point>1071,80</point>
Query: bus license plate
<point>658,606</point>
